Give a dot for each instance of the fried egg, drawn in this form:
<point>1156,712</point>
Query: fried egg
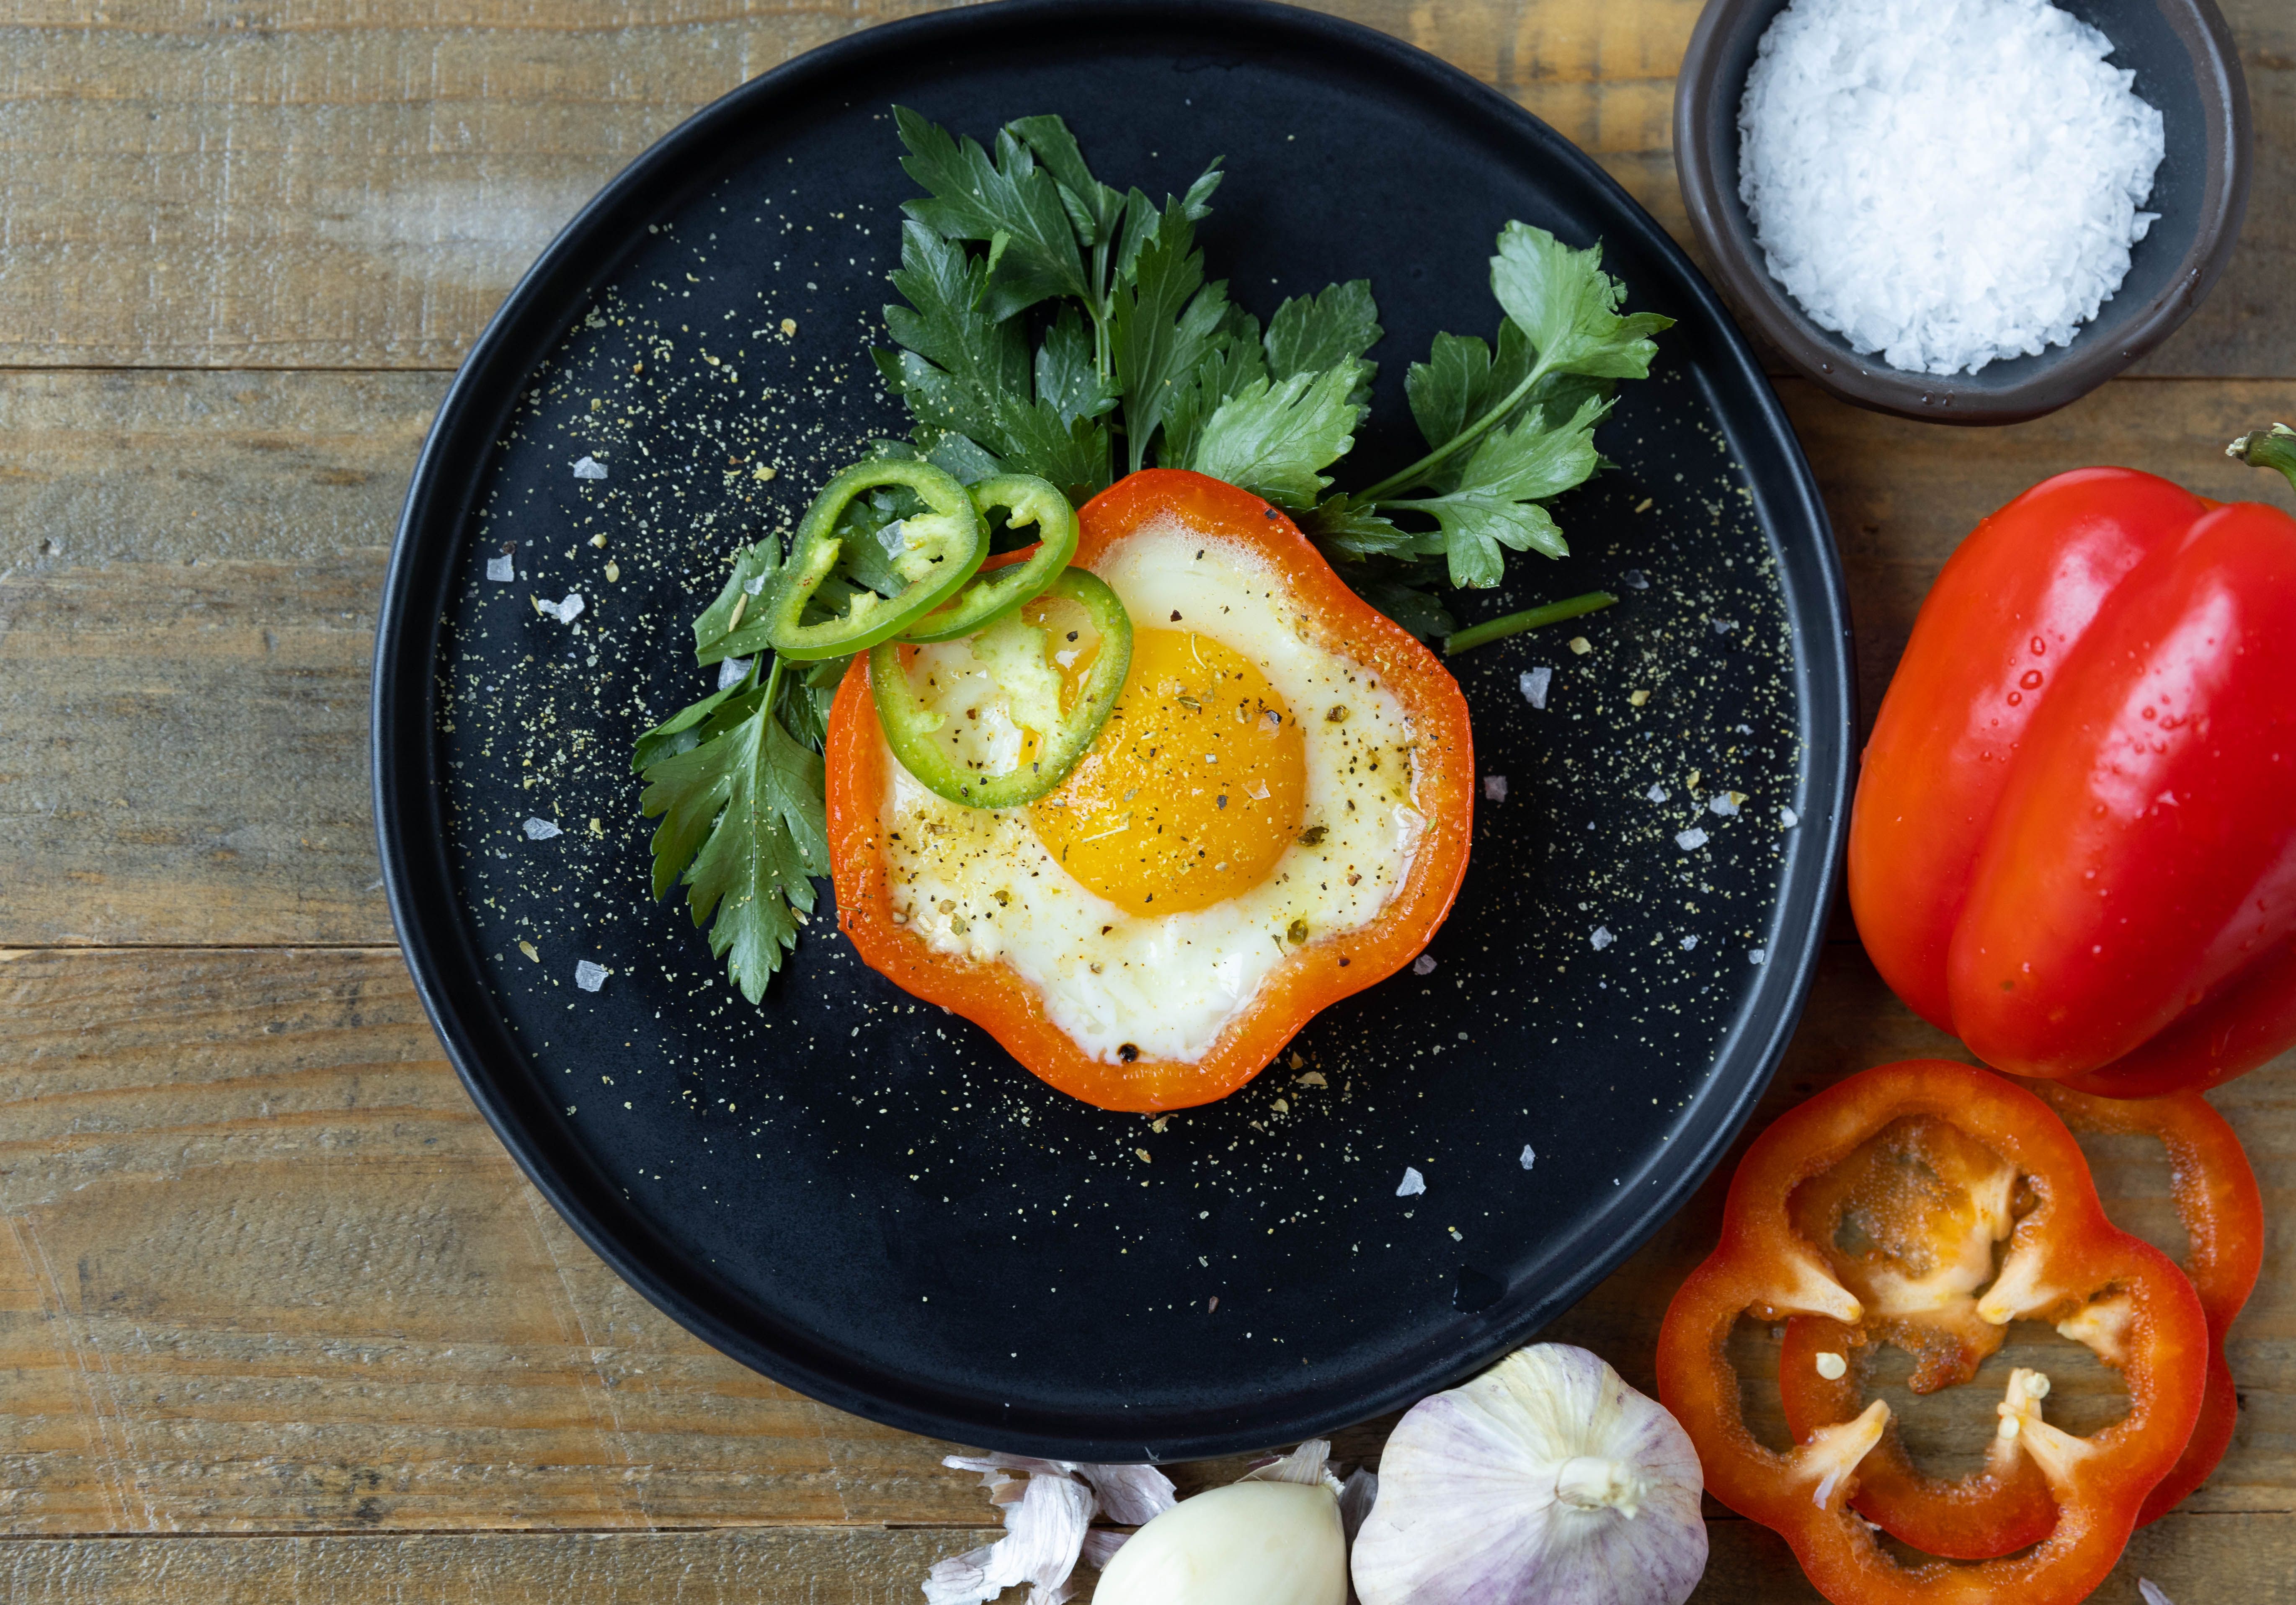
<point>1252,793</point>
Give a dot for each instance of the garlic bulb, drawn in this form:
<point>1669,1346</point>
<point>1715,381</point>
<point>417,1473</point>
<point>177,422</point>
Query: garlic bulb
<point>1546,1478</point>
<point>1273,1538</point>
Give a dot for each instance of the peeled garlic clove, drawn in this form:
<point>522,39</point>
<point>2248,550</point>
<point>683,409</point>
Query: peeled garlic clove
<point>1544,1478</point>
<point>1249,1543</point>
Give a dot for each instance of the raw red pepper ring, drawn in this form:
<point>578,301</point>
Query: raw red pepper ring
<point>2008,1505</point>
<point>2074,843</point>
<point>2064,1263</point>
<point>2222,1210</point>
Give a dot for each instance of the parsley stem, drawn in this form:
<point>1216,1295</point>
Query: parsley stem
<point>1530,619</point>
<point>772,684</point>
<point>1417,474</point>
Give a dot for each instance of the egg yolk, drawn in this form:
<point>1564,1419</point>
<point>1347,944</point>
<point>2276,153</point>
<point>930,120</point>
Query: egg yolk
<point>1192,791</point>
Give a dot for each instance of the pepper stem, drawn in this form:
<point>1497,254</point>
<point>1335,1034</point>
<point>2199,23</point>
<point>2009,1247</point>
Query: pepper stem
<point>1529,619</point>
<point>1591,1483</point>
<point>2275,447</point>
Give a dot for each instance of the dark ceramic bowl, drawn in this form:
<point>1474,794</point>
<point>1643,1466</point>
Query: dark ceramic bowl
<point>2186,64</point>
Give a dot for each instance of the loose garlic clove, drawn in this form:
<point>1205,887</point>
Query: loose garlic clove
<point>1249,1544</point>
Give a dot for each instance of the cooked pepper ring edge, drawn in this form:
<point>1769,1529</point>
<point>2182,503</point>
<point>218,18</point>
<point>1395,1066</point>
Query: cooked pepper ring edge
<point>1317,974</point>
<point>2062,1253</point>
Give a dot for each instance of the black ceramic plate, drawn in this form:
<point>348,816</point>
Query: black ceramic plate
<point>866,1197</point>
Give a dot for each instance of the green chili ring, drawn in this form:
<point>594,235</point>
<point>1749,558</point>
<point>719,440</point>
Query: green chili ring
<point>909,725</point>
<point>991,594</point>
<point>943,548</point>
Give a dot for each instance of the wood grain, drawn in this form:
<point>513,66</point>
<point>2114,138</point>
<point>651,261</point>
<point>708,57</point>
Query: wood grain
<point>187,596</point>
<point>263,1268</point>
<point>338,185</point>
<point>2195,1559</point>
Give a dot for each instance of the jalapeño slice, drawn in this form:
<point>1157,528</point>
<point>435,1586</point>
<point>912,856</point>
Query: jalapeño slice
<point>1021,658</point>
<point>935,552</point>
<point>993,594</point>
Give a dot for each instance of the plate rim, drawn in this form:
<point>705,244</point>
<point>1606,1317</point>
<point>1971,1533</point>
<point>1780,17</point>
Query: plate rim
<point>408,787</point>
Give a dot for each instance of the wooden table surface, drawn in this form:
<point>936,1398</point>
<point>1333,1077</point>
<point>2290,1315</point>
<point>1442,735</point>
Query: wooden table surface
<point>278,1317</point>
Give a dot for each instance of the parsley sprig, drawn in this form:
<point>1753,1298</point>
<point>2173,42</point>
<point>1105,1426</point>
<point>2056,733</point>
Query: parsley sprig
<point>1137,357</point>
<point>738,783</point>
<point>1055,325</point>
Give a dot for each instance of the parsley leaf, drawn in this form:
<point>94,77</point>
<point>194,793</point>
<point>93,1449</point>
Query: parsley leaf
<point>1009,201</point>
<point>1569,307</point>
<point>1352,528</point>
<point>1312,332</point>
<point>1162,316</point>
<point>1495,502</point>
<point>1232,361</point>
<point>1066,376</point>
<point>735,625</point>
<point>1509,428</point>
<point>1094,208</point>
<point>1271,414</point>
<point>966,372</point>
<point>744,826</point>
<point>1271,437</point>
<point>1462,379</point>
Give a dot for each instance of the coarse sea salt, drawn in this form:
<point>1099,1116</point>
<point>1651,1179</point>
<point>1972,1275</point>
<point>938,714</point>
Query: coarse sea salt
<point>1944,182</point>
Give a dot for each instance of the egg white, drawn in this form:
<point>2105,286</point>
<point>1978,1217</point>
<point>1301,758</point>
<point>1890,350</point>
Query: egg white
<point>1166,986</point>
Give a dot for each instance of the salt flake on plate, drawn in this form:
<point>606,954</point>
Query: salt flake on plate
<point>1527,1156</point>
<point>540,830</point>
<point>589,468</point>
<point>1423,965</point>
<point>564,612</point>
<point>1495,788</point>
<point>1602,937</point>
<point>1688,942</point>
<point>1758,956</point>
<point>588,976</point>
<point>1534,682</point>
<point>1657,794</point>
<point>1634,579</point>
<point>501,570</point>
<point>1690,840</point>
<point>1413,1183</point>
<point>1724,803</point>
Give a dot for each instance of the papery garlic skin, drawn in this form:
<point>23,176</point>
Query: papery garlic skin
<point>1516,1489</point>
<point>1249,1543</point>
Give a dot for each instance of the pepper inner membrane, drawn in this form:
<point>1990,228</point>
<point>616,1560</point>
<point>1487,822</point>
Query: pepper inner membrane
<point>1915,1223</point>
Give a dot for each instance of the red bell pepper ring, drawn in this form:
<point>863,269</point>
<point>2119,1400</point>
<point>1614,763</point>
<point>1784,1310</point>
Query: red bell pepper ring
<point>2008,1505</point>
<point>2074,844</point>
<point>2064,1263</point>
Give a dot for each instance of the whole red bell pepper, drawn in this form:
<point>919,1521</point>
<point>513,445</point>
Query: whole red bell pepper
<point>2074,841</point>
